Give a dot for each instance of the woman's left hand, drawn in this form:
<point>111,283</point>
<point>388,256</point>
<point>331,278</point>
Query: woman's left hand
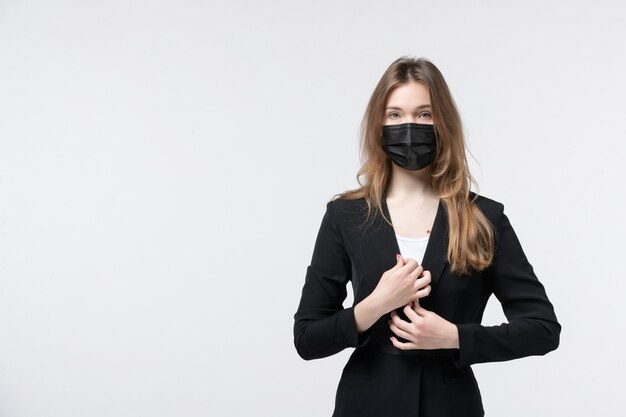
<point>426,330</point>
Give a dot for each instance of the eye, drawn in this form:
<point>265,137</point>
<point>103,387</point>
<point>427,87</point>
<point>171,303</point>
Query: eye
<point>390,115</point>
<point>427,114</point>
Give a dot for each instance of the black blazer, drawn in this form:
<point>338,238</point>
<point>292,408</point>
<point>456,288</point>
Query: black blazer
<point>382,380</point>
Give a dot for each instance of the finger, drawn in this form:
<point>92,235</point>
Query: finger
<point>402,333</point>
<point>399,322</point>
<point>421,311</point>
<point>402,345</point>
<point>410,265</point>
<point>411,313</point>
<point>417,272</point>
<point>422,282</point>
<point>418,308</point>
<point>421,291</point>
<point>399,261</point>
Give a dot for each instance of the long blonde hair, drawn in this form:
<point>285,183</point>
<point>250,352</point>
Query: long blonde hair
<point>471,235</point>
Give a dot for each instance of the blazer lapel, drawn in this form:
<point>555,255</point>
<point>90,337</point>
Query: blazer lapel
<point>435,257</point>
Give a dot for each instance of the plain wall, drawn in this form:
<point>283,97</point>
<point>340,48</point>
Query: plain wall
<point>165,165</point>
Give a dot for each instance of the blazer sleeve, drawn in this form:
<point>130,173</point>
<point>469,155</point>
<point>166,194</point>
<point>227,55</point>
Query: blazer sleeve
<point>322,326</point>
<point>532,327</point>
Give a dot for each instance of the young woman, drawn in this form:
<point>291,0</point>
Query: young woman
<point>424,254</point>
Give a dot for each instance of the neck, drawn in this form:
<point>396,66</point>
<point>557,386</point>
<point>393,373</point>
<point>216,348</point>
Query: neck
<point>410,184</point>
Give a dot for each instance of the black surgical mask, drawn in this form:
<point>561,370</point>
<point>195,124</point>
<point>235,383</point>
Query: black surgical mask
<point>410,145</point>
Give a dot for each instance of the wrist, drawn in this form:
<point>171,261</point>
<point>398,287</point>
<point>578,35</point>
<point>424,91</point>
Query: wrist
<point>375,304</point>
<point>454,336</point>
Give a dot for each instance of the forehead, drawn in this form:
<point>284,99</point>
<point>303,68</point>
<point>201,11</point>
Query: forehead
<point>409,95</point>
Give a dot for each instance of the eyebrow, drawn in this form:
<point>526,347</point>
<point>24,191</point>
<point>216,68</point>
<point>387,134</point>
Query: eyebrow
<point>423,106</point>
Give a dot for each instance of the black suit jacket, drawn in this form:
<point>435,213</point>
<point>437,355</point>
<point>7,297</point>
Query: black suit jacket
<point>382,380</point>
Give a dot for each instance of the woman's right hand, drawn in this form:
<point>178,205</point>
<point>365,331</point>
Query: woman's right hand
<point>401,285</point>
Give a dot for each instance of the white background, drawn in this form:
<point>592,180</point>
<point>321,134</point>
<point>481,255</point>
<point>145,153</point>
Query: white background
<point>165,165</point>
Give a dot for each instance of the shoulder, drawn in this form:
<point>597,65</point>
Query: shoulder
<point>342,203</point>
<point>347,209</point>
<point>349,213</point>
<point>491,208</point>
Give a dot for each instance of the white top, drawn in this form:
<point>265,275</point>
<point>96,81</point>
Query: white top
<point>413,248</point>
